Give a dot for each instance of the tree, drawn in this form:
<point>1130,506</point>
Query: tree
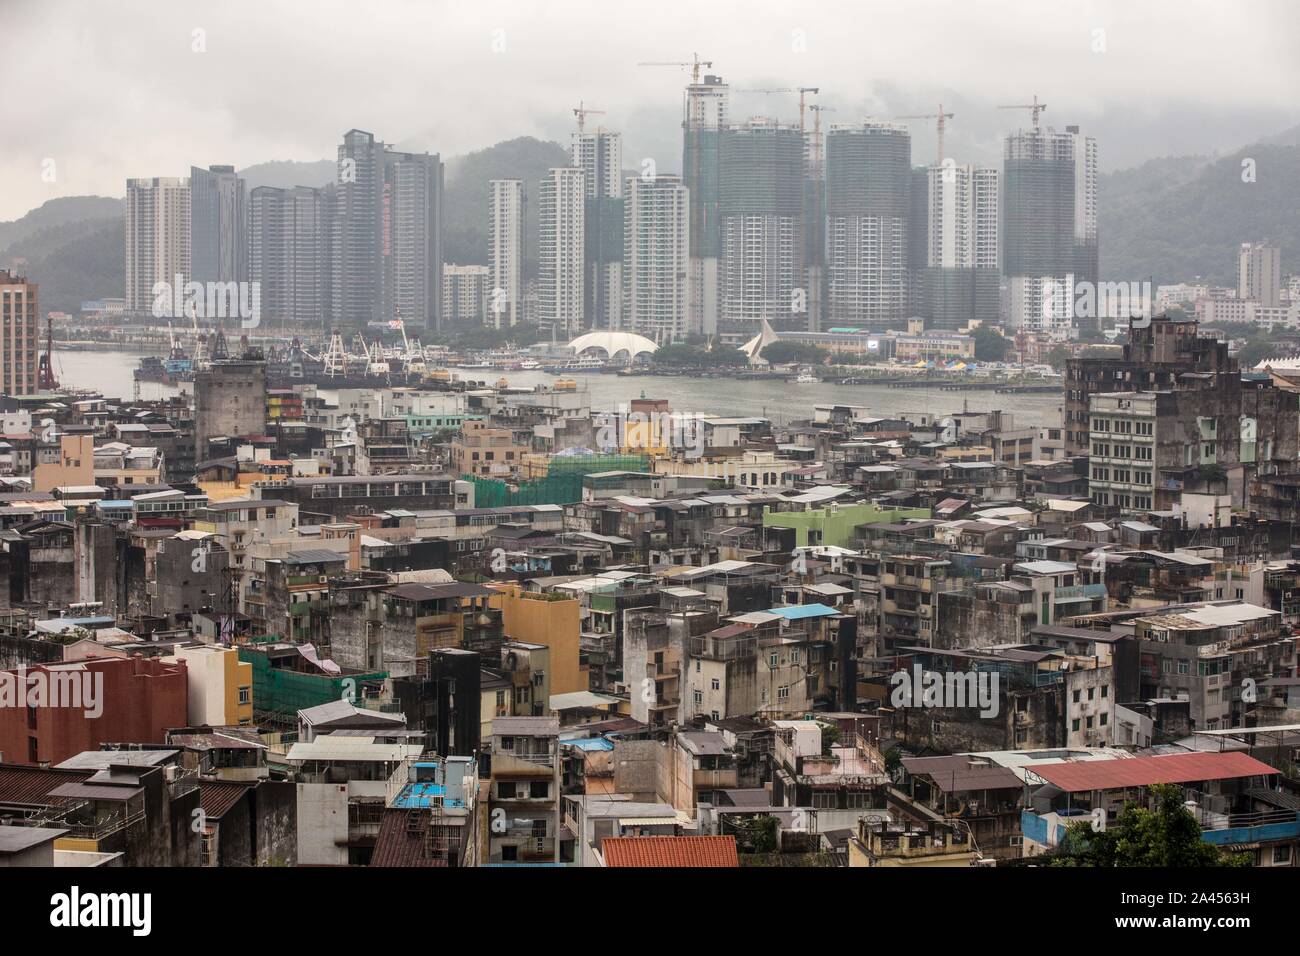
<point>990,346</point>
<point>1166,835</point>
<point>1058,356</point>
<point>830,737</point>
<point>1254,352</point>
<point>794,353</point>
<point>678,355</point>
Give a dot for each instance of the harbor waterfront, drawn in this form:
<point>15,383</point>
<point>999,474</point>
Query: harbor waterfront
<point>111,372</point>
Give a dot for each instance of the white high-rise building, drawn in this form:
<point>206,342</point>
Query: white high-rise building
<point>1259,274</point>
<point>465,295</point>
<point>157,234</point>
<point>599,155</point>
<point>657,284</point>
<point>561,238</point>
<point>963,218</point>
<point>505,252</point>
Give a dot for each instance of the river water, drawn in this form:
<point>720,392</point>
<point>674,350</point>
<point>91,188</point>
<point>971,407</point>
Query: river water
<point>113,374</point>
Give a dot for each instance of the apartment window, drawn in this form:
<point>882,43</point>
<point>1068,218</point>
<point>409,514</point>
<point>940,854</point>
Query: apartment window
<point>506,790</point>
<point>507,743</point>
<point>1074,724</point>
<point>539,789</point>
<point>699,697</point>
<point>771,660</point>
<point>245,695</point>
<point>1281,856</point>
<point>716,684</point>
<point>783,692</point>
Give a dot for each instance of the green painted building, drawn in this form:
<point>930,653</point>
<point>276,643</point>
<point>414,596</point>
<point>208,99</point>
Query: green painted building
<point>833,525</point>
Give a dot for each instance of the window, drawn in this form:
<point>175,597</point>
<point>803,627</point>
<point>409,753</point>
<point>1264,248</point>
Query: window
<point>506,790</point>
<point>699,697</point>
<point>539,789</point>
<point>716,684</point>
<point>245,695</point>
<point>783,692</point>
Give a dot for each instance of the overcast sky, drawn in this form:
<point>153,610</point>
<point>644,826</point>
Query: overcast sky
<point>115,88</point>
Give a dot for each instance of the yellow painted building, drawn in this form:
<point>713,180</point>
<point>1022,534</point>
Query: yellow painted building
<point>535,618</point>
<point>220,685</point>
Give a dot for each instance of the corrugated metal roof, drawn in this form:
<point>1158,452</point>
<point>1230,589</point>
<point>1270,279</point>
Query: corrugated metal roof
<point>656,851</point>
<point>1146,771</point>
<point>32,785</point>
<point>217,797</point>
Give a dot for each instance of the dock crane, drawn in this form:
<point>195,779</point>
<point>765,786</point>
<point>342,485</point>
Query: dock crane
<point>942,124</point>
<point>1035,107</point>
<point>582,112</point>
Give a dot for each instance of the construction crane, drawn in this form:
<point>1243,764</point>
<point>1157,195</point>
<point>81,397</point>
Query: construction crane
<point>815,142</point>
<point>801,90</point>
<point>694,63</point>
<point>1035,107</point>
<point>942,118</point>
<point>582,113</point>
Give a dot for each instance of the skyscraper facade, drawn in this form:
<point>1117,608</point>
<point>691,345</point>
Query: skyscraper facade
<point>412,238</point>
<point>656,256</point>
<point>1049,228</point>
<point>868,213</point>
<point>761,206</point>
<point>288,246</point>
<point>157,238</point>
<point>506,252</point>
<point>561,248</point>
<point>218,225</point>
<point>599,154</point>
<point>961,231</point>
<point>357,241</point>
<point>705,117</point>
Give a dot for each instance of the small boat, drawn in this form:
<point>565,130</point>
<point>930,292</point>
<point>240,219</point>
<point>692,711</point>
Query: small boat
<point>807,379</point>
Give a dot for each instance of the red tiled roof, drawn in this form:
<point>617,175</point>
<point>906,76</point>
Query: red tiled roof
<point>1085,775</point>
<point>692,851</point>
